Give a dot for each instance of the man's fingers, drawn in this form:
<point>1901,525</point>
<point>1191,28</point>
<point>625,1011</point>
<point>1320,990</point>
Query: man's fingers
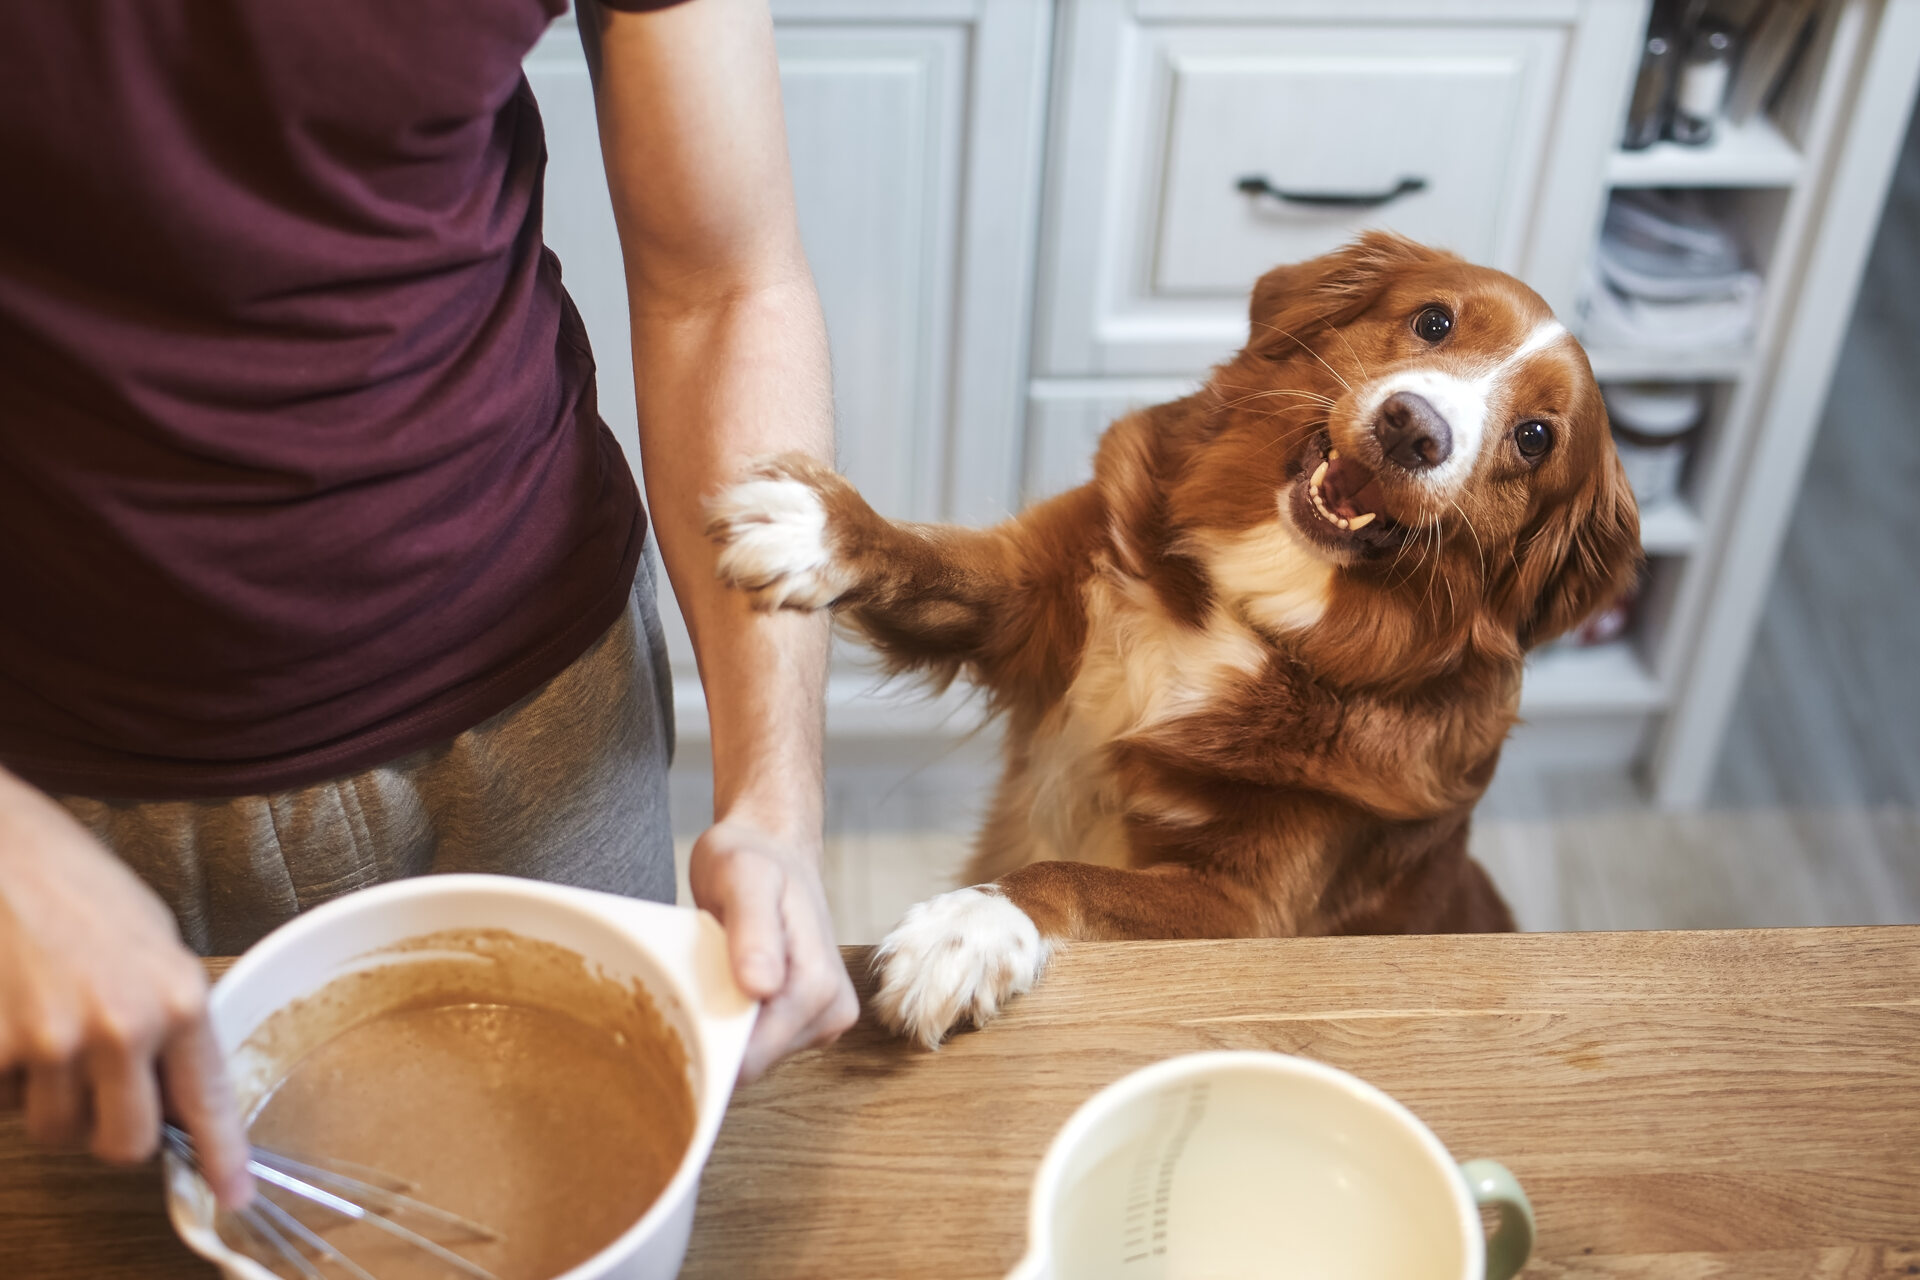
<point>744,891</point>
<point>772,1039</point>
<point>794,1022</point>
<point>819,976</point>
<point>841,1012</point>
<point>126,1106</point>
<point>834,1007</point>
<point>56,1104</point>
<point>195,1077</point>
<point>817,1006</point>
<point>828,1025</point>
<point>817,1003</point>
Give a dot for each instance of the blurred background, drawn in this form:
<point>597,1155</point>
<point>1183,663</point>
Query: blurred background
<point>1026,216</point>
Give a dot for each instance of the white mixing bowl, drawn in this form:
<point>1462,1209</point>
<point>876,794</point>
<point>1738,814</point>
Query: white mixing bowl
<point>679,955</point>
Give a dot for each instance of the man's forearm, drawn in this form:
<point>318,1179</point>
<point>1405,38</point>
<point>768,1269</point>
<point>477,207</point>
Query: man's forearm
<point>720,383</point>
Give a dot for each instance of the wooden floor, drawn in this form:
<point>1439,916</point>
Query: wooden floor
<point>1815,818</point>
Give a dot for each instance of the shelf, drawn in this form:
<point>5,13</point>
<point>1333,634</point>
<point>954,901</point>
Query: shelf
<point>1604,678</point>
<point>1670,528</point>
<point>1756,154</point>
<point>1720,364</point>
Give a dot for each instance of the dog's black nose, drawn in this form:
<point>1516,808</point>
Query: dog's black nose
<point>1412,432</point>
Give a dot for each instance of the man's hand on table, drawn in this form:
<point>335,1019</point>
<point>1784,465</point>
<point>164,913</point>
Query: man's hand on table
<point>103,1012</point>
<point>767,892</point>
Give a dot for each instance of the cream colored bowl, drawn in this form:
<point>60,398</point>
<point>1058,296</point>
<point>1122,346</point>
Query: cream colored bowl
<point>1244,1165</point>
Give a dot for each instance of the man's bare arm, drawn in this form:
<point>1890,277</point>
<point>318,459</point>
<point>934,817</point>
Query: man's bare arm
<point>730,363</point>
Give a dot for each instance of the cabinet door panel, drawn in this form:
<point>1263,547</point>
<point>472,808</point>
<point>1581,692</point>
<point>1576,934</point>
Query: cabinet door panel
<point>1067,417</point>
<point>874,128</point>
<point>874,121</point>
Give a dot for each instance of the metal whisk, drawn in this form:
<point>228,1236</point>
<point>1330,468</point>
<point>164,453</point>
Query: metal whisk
<point>358,1196</point>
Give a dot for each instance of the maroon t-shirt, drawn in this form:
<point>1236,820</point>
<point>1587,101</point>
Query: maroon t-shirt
<point>300,465</point>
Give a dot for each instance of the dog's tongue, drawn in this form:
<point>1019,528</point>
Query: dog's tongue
<point>1349,489</point>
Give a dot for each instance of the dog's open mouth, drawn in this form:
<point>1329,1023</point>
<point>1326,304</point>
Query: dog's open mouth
<point>1339,502</point>
<point>1344,493</point>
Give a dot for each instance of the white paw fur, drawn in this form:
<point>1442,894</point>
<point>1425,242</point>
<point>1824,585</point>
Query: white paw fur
<point>958,956</point>
<point>773,543</point>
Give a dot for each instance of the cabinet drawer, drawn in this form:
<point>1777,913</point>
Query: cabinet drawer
<point>1154,243</point>
<point>1325,119</point>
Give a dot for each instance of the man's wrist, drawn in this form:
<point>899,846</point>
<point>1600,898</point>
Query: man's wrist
<point>791,821</point>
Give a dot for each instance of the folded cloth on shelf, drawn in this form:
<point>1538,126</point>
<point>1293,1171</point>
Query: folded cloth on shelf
<point>1615,319</point>
<point>1666,245</point>
<point>1667,274</point>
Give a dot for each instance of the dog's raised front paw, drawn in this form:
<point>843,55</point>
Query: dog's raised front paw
<point>774,540</point>
<point>958,956</point>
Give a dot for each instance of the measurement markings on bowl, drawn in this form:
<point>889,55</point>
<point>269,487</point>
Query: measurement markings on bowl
<point>1149,1186</point>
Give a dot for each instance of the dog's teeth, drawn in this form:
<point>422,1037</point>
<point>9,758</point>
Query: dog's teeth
<point>1319,474</point>
<point>1360,521</point>
<point>1332,454</point>
<point>1343,524</point>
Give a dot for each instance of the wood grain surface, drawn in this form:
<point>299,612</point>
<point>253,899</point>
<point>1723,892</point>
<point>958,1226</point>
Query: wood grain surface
<point>1733,1104</point>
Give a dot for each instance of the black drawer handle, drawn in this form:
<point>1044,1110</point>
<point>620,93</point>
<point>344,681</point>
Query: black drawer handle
<point>1255,184</point>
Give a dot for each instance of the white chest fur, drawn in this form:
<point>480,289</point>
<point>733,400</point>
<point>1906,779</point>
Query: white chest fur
<point>1268,573</point>
<point>1141,667</point>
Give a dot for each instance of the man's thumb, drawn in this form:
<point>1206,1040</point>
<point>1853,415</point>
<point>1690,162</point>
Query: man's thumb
<point>749,891</point>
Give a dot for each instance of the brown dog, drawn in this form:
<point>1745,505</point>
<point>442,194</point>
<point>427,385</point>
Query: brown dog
<point>1256,673</point>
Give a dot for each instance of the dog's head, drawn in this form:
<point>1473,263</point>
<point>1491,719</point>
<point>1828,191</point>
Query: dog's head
<point>1428,434</point>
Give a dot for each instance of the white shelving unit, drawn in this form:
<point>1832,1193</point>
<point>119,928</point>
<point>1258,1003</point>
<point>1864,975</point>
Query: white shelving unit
<point>1802,184</point>
<point>1812,177</point>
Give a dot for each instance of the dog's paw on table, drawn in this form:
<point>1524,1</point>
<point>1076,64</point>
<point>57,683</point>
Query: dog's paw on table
<point>955,958</point>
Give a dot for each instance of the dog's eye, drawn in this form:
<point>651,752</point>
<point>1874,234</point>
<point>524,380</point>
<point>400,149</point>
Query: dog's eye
<point>1433,324</point>
<point>1533,438</point>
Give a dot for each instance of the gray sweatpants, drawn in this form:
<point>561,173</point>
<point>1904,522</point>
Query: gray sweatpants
<point>569,784</point>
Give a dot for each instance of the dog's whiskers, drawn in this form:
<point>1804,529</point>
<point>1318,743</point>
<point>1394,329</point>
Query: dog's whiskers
<point>1293,437</point>
<point>1309,350</point>
<point>1358,363</point>
<point>1313,397</point>
<point>1400,555</point>
<point>1468,522</point>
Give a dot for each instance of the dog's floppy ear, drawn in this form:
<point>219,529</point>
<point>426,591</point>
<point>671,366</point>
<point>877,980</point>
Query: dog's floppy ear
<point>1332,289</point>
<point>1581,559</point>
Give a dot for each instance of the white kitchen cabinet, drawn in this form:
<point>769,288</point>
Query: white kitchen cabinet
<point>914,131</point>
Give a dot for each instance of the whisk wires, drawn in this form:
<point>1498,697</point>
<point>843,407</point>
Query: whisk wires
<point>355,1198</point>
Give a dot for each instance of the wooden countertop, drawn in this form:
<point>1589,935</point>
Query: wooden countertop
<point>1734,1104</point>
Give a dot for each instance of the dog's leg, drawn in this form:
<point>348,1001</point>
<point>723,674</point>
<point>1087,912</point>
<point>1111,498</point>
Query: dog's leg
<point>1000,605</point>
<point>962,955</point>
